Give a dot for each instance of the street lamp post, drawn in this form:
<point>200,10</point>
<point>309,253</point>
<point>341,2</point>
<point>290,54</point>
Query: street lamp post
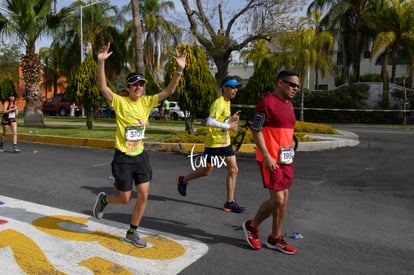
<point>81,25</point>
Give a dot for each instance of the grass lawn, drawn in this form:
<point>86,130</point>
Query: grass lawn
<point>98,132</point>
<point>79,129</point>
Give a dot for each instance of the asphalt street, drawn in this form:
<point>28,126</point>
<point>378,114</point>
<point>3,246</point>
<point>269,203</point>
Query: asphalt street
<point>353,205</point>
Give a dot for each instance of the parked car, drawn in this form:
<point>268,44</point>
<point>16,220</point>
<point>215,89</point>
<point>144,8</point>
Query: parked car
<point>59,105</point>
<point>175,111</point>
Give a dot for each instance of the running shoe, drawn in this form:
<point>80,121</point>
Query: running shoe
<point>134,239</point>
<point>1,149</point>
<point>181,186</point>
<point>233,207</point>
<point>98,208</point>
<point>16,150</point>
<point>252,235</point>
<point>280,244</point>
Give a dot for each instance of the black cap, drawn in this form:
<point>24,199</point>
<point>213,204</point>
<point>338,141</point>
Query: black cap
<point>133,78</point>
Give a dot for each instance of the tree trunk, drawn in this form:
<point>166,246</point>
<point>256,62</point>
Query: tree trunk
<point>385,79</point>
<point>33,114</point>
<point>189,125</point>
<point>357,58</point>
<point>316,78</point>
<point>89,118</point>
<point>345,66</point>
<point>394,61</point>
<point>139,50</point>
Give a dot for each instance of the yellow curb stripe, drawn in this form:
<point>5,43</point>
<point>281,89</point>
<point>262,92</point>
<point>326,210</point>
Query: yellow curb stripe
<point>110,144</point>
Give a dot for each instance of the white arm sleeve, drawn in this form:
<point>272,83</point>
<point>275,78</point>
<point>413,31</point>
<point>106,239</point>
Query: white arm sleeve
<point>212,122</point>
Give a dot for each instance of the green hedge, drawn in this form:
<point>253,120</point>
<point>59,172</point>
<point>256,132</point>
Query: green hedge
<point>350,99</point>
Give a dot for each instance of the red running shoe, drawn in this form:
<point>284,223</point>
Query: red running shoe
<point>280,244</point>
<point>252,235</point>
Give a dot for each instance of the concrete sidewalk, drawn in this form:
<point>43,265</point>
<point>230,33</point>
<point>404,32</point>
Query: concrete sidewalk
<point>322,142</point>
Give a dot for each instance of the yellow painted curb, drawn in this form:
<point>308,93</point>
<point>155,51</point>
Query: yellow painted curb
<point>109,144</point>
<point>72,141</point>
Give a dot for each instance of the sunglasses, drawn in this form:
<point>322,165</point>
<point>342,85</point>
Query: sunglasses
<point>233,87</point>
<point>137,84</point>
<point>291,84</point>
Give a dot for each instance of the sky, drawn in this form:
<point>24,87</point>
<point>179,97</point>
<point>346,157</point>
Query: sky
<point>229,4</point>
<point>45,42</point>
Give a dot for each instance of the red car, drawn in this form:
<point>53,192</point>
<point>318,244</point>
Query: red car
<point>59,106</point>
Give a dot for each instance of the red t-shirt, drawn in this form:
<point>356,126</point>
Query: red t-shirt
<point>278,126</point>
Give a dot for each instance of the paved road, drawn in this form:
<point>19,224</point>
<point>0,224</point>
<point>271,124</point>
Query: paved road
<point>353,205</point>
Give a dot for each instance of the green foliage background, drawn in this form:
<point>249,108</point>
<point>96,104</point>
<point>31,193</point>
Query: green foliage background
<point>83,87</point>
<point>6,87</point>
<point>197,88</point>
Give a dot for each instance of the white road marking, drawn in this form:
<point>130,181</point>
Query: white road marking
<point>73,243</point>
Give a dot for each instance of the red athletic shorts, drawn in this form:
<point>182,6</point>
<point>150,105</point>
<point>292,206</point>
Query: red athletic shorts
<point>279,179</point>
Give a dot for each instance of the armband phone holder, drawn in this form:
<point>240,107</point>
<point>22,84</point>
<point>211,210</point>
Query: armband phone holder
<point>258,121</point>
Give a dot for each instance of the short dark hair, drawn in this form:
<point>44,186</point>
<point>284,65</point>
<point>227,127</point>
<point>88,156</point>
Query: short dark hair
<point>269,89</point>
<point>285,74</point>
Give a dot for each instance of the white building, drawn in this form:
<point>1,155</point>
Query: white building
<point>367,66</point>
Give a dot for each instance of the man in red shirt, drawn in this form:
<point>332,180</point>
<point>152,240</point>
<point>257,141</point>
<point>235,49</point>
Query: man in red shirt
<point>272,128</point>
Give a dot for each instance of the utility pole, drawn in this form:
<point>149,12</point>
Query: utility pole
<point>221,30</point>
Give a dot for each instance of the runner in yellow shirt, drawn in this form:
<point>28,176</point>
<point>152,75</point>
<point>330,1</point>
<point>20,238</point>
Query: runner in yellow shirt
<point>130,164</point>
<point>218,148</point>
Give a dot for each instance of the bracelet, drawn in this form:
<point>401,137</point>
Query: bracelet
<point>178,72</point>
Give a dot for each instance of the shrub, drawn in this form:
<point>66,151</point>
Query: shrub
<point>301,129</point>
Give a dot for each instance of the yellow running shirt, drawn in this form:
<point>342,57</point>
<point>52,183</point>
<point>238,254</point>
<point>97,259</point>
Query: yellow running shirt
<point>131,118</point>
<point>217,137</point>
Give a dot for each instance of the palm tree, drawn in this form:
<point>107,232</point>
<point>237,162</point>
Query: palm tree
<point>322,42</point>
<point>304,57</point>
<point>256,54</point>
<point>138,49</point>
<point>29,20</point>
<point>160,35</point>
<point>395,24</point>
<point>51,65</point>
<point>100,25</point>
<point>347,20</point>
<point>153,39</point>
<point>408,53</point>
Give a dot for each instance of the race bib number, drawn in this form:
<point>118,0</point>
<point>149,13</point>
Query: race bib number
<point>133,140</point>
<point>286,155</point>
<point>12,114</point>
<point>134,133</point>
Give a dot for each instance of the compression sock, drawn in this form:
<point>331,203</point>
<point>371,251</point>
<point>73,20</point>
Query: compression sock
<point>103,200</point>
<point>132,228</point>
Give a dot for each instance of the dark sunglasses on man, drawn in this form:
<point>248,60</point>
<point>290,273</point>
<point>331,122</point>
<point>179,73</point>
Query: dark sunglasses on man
<point>291,84</point>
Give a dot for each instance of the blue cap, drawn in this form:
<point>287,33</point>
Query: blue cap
<point>231,83</point>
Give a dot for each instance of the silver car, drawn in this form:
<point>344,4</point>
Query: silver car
<point>175,111</point>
